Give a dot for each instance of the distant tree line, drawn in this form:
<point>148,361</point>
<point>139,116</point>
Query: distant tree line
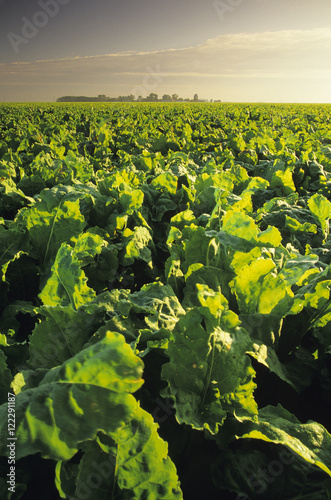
<point>131,98</point>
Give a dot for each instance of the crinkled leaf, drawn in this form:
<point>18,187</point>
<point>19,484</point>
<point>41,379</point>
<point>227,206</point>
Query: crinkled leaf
<point>272,474</point>
<point>209,373</point>
<point>138,245</point>
<point>62,333</point>
<point>142,462</point>
<point>196,246</point>
<point>259,290</point>
<point>295,226</point>
<point>54,219</point>
<point>296,269</point>
<point>321,209</point>
<point>311,441</point>
<point>87,246</point>
<point>283,180</point>
<point>159,303</point>
<point>13,243</point>
<point>68,283</point>
<point>316,295</point>
<point>240,225</point>
<point>130,463</point>
<point>271,237</point>
<point>165,181</point>
<point>89,392</point>
<point>215,278</point>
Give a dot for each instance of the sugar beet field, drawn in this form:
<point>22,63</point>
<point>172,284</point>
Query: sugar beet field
<point>165,321</point>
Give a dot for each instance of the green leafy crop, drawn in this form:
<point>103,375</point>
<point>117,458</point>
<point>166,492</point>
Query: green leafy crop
<point>165,301</point>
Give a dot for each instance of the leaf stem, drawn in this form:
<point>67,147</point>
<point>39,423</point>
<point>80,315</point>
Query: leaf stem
<point>211,367</point>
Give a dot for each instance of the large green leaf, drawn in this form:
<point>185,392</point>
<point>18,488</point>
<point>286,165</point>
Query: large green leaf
<point>297,269</point>
<point>62,333</point>
<point>13,243</point>
<point>311,440</point>
<point>215,278</point>
<point>272,474</point>
<point>321,209</point>
<point>160,305</point>
<point>240,225</point>
<point>132,462</point>
<point>146,318</point>
<point>89,392</point>
<point>259,290</point>
<point>53,220</point>
<point>209,374</point>
<point>68,283</point>
<point>138,245</point>
<point>165,181</point>
<point>142,462</point>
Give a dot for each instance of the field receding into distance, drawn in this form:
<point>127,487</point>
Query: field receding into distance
<point>165,301</point>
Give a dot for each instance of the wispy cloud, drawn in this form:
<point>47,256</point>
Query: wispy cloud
<point>261,58</point>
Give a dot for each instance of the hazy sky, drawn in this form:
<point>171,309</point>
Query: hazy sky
<point>233,50</point>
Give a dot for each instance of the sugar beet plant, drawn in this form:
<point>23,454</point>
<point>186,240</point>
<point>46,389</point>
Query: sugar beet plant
<point>165,301</point>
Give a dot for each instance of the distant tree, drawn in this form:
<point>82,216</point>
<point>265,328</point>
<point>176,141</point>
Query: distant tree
<point>152,97</point>
<point>126,98</point>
